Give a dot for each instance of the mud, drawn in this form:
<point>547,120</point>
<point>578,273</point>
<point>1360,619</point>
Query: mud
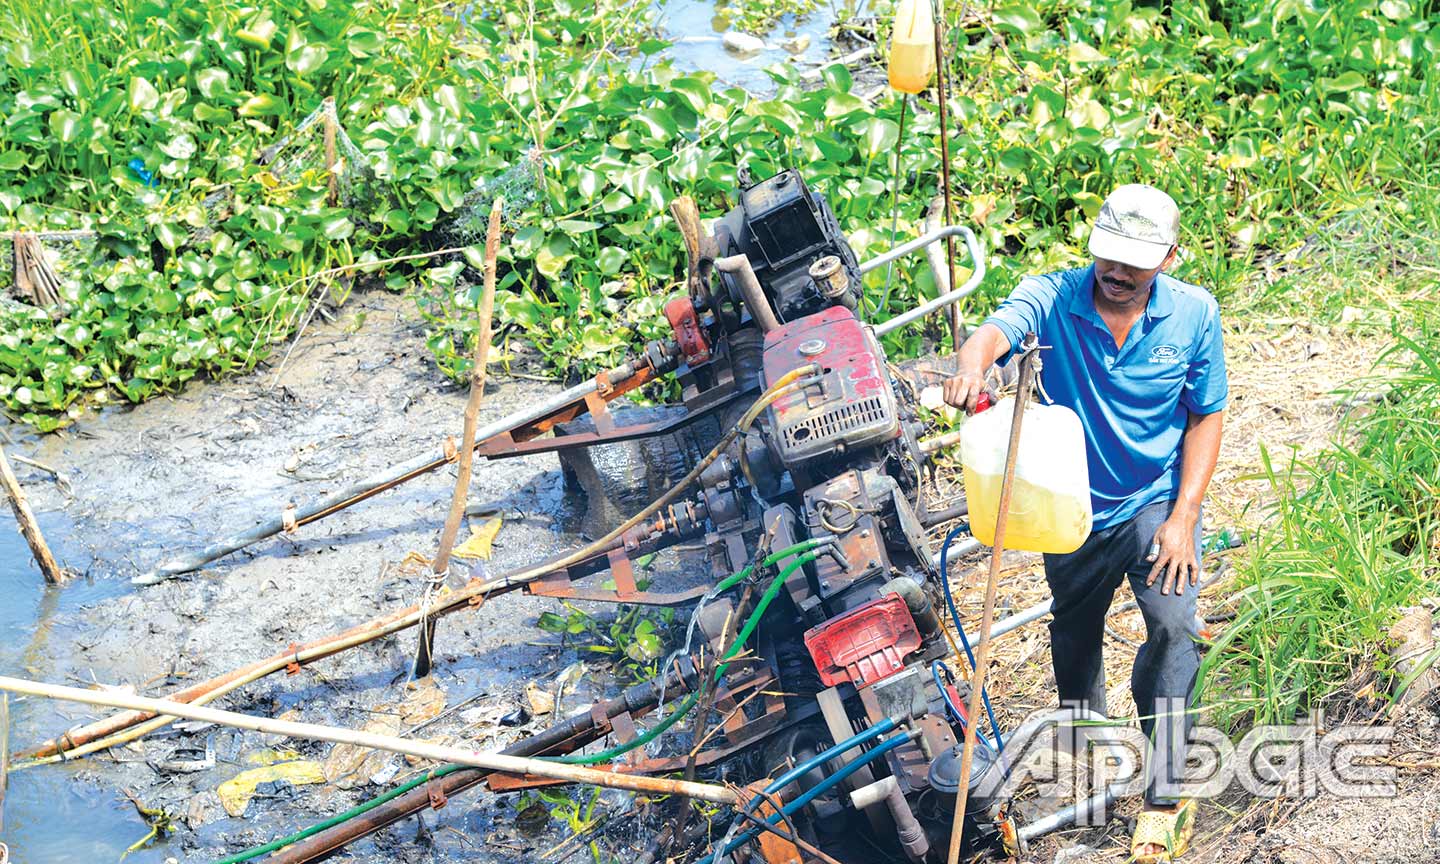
<point>174,473</point>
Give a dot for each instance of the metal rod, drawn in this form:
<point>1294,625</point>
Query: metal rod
<point>940,78</point>
<point>394,744</point>
<point>371,485</point>
<point>976,256</point>
<point>987,617</point>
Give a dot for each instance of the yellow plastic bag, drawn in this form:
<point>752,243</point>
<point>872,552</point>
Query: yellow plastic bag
<point>235,793</point>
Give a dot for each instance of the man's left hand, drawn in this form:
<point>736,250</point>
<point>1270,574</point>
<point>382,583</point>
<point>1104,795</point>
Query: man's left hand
<point>1173,554</point>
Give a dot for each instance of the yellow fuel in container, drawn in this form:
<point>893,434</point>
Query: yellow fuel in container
<point>1050,501</point>
<point>912,46</point>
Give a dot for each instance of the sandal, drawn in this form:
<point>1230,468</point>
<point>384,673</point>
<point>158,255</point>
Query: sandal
<point>1170,831</point>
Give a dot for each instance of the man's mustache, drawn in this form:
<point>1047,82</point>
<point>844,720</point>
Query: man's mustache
<point>1118,283</point>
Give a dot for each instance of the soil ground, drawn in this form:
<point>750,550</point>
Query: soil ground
<point>173,474</point>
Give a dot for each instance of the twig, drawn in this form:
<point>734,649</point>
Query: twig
<point>62,480</point>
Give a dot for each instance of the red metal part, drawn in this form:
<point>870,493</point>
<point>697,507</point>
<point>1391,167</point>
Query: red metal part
<point>680,312</point>
<point>866,644</point>
<point>854,405</point>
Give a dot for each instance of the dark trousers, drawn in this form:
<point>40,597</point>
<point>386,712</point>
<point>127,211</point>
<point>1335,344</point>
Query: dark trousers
<point>1083,584</point>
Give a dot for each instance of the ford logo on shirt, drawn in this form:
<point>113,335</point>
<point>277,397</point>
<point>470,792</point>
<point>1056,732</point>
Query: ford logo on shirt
<point>1167,354</point>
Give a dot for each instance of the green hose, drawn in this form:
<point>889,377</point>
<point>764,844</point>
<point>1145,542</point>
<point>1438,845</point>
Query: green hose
<point>686,705</point>
<point>689,702</point>
<point>341,817</point>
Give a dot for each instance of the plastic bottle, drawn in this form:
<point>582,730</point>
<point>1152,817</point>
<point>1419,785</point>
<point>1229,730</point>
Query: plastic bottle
<point>1050,501</point>
<point>912,46</point>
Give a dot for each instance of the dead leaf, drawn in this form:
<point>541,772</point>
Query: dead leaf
<point>423,702</point>
<point>481,540</point>
<point>349,765</point>
<point>541,701</point>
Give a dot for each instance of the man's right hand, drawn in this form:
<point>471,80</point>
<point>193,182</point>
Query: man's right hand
<point>962,390</point>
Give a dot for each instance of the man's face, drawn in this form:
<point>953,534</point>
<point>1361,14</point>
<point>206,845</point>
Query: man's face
<point>1125,286</point>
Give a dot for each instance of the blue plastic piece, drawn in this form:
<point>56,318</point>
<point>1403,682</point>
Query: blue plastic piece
<point>137,167</point>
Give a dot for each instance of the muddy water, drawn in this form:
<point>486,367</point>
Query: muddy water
<point>172,475</point>
<point>697,31</point>
<point>43,808</point>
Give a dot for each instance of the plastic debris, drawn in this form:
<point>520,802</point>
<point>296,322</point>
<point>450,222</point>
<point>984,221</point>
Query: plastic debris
<point>235,793</point>
<point>349,766</point>
<point>481,541</point>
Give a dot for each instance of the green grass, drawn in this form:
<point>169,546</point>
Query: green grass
<point>1354,537</point>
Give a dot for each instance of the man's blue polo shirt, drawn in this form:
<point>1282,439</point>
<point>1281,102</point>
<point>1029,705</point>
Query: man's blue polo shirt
<point>1133,400</point>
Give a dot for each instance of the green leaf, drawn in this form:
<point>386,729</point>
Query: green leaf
<point>65,125</point>
<point>165,301</point>
<point>578,226</point>
<point>610,260</point>
<point>1342,83</point>
<point>180,147</point>
<point>552,623</point>
<point>1020,18</point>
<point>879,135</point>
<point>337,228</point>
<point>212,83</point>
<point>143,95</point>
<point>841,104</point>
<point>474,256</point>
<point>260,105</point>
<point>837,77</point>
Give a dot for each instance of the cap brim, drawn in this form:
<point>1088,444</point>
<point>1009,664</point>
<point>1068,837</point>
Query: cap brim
<point>1141,254</point>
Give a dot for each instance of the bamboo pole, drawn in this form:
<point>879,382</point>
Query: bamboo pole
<point>438,752</point>
<point>987,618</point>
<point>54,574</point>
<point>441,565</point>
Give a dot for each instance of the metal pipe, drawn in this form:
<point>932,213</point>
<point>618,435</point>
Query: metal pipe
<point>1099,801</point>
<point>371,485</point>
<point>391,743</point>
<point>739,267</point>
<point>907,828</point>
<point>977,258</point>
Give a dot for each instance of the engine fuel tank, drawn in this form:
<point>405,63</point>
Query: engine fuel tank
<point>853,405</point>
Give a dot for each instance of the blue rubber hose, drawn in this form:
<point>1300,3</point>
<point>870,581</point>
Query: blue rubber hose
<point>813,762</point>
<point>964,528</point>
<point>810,795</point>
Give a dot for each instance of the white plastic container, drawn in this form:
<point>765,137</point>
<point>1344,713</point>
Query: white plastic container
<point>912,46</point>
<point>1050,502</point>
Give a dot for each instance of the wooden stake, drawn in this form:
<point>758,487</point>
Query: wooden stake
<point>54,574</point>
<point>982,652</point>
<point>438,752</point>
<point>329,120</point>
<point>441,565</point>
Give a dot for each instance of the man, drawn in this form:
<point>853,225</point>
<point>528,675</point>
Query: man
<point>1137,355</point>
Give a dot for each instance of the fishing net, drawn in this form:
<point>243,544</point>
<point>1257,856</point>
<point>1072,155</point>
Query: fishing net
<point>318,151</point>
<point>519,187</point>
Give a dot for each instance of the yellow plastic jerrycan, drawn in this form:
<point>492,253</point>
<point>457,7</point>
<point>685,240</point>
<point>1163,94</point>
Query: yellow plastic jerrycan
<point>912,46</point>
<point>1050,501</point>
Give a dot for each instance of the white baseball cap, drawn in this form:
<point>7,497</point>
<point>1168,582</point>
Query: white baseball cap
<point>1137,225</point>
